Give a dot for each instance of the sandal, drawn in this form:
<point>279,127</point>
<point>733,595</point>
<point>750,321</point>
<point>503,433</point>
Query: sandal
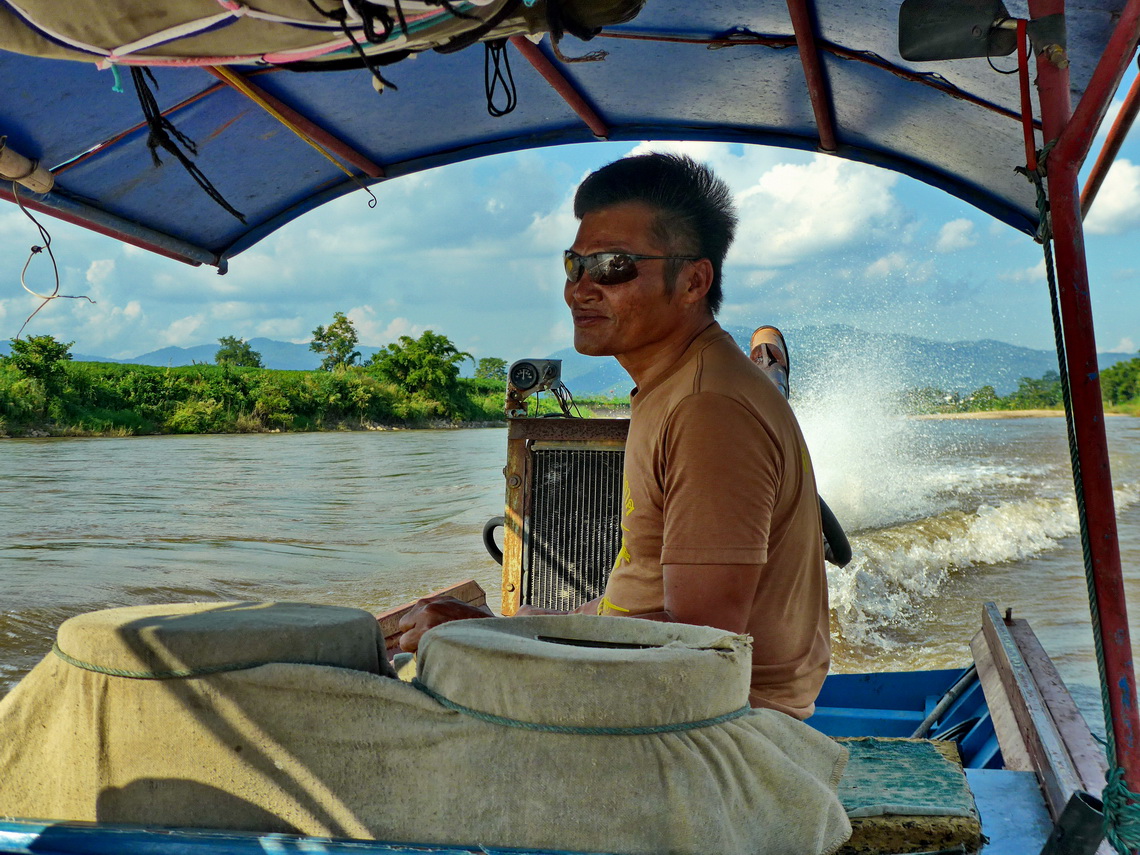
<point>770,352</point>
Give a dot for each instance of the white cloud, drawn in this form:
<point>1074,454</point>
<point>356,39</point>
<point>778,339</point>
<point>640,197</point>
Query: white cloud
<point>372,331</point>
<point>1125,345</point>
<point>553,231</point>
<point>100,270</point>
<point>795,211</point>
<point>1116,208</point>
<point>1028,274</point>
<point>885,266</point>
<point>759,277</point>
<point>955,235</point>
<point>295,329</point>
<point>184,331</point>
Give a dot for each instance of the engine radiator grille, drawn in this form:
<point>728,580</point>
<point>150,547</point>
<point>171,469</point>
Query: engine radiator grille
<point>575,525</point>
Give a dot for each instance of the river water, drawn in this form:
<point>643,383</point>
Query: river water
<point>944,515</point>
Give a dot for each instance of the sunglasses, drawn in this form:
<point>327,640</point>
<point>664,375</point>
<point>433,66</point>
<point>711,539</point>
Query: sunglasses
<point>610,268</point>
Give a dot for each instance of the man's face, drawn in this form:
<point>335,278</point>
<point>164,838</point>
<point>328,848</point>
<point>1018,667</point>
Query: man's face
<point>628,319</point>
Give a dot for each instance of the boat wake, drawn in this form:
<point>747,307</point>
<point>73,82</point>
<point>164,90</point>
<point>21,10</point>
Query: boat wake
<point>925,501</point>
<point>896,571</point>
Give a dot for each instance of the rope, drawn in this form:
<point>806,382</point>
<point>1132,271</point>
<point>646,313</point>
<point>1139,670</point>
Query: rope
<point>32,253</point>
<point>164,135</point>
<point>179,673</point>
<point>640,730</point>
<point>340,16</point>
<point>154,675</point>
<point>231,13</point>
<point>1121,805</point>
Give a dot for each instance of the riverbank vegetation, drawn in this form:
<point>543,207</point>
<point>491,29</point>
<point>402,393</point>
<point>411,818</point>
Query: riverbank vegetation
<point>410,383</point>
<point>1119,385</point>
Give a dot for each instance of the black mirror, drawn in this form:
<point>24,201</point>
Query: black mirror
<point>953,29</point>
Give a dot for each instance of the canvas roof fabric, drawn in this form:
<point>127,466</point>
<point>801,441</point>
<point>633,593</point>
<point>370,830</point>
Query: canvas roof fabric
<point>726,71</point>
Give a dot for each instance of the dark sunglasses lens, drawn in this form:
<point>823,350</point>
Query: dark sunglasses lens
<point>604,268</point>
<point>614,270</point>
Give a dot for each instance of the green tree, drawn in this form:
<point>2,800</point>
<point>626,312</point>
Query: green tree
<point>491,368</point>
<point>983,399</point>
<point>336,343</point>
<point>40,357</point>
<point>238,352</point>
<point>1037,394</point>
<point>1120,383</point>
<point>428,365</point>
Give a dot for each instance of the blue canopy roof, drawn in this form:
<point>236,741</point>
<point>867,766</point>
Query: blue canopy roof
<point>954,125</point>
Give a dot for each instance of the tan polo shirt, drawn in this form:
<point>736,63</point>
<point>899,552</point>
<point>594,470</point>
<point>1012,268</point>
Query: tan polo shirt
<point>717,472</point>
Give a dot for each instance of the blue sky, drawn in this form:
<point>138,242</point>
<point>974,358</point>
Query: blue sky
<point>472,251</point>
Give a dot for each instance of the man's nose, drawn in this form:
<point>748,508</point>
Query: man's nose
<point>584,290</point>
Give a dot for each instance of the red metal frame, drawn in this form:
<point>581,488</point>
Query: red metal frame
<point>562,86</point>
<point>803,25</point>
<point>330,143</point>
<point>1116,135</point>
<point>1074,133</point>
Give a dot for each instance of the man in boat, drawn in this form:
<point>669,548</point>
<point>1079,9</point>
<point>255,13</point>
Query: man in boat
<point>721,522</point>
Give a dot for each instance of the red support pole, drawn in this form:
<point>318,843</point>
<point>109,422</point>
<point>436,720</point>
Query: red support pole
<point>561,85</point>
<point>1075,139</point>
<point>803,25</point>
<point>1111,148</point>
<point>1084,379</point>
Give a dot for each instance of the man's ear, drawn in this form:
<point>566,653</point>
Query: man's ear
<point>696,280</point>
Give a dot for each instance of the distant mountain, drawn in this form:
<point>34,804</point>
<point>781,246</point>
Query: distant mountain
<point>281,355</point>
<point>817,352</point>
<point>904,361</point>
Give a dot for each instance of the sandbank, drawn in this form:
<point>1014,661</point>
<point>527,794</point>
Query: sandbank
<point>1001,414</point>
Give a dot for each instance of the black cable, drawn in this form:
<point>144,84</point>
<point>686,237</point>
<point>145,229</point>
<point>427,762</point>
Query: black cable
<point>495,56</point>
<point>989,57</point>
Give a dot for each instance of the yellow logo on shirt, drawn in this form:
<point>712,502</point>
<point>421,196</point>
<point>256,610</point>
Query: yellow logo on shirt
<point>623,556</point>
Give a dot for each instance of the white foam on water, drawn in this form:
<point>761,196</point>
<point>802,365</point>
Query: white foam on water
<point>919,501</point>
<point>895,572</point>
<point>874,466</point>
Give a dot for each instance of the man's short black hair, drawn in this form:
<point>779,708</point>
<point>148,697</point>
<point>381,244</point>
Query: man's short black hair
<point>697,216</point>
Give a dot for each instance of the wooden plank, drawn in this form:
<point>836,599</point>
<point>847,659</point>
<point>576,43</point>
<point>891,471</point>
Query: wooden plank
<point>1088,756</point>
<point>572,430</point>
<point>1013,750</point>
<point>1051,760</point>
<point>469,592</point>
<point>517,473</point>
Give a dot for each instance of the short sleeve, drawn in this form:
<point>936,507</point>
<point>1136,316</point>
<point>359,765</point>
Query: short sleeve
<point>721,474</point>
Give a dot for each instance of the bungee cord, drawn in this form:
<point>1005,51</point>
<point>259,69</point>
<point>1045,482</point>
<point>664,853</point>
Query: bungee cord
<point>37,250</point>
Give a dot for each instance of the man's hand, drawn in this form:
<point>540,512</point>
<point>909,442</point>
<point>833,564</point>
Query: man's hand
<point>432,611</point>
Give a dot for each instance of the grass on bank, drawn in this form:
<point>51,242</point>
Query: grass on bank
<point>108,399</point>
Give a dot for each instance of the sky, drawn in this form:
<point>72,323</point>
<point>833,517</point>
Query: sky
<point>473,251</point>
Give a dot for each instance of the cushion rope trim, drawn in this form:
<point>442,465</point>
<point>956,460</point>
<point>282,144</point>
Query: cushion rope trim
<point>178,674</point>
<point>639,730</point>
